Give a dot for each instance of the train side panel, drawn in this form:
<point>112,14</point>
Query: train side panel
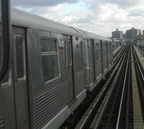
<point>52,66</point>
<point>99,53</point>
<point>50,80</point>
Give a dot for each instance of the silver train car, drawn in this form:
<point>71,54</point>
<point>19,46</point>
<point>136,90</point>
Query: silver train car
<point>53,67</point>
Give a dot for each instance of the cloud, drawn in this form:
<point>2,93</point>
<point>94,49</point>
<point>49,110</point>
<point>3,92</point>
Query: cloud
<point>40,2</point>
<point>139,12</point>
<point>119,3</point>
<point>123,3</point>
<point>97,16</point>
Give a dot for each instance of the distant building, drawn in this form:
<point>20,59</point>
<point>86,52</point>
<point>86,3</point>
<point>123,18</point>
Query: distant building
<point>132,33</point>
<point>138,32</point>
<point>124,36</point>
<point>117,34</point>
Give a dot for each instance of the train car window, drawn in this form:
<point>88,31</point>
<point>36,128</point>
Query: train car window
<point>20,57</point>
<point>97,51</point>
<point>50,63</point>
<point>48,45</point>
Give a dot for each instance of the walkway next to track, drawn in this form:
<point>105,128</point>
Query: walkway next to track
<point>140,57</point>
<point>137,112</point>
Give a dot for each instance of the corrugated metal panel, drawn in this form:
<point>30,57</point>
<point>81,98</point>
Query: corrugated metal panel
<point>80,82</point>
<point>49,104</point>
<point>1,122</point>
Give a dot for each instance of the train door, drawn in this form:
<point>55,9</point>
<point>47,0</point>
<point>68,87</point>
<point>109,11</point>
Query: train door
<point>92,62</point>
<point>69,65</point>
<point>102,56</point>
<point>111,52</point>
<point>20,78</point>
<point>79,65</point>
<point>107,45</point>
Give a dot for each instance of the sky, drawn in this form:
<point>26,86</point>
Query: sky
<point>97,16</point>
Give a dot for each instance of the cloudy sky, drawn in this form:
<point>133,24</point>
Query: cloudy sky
<point>97,16</point>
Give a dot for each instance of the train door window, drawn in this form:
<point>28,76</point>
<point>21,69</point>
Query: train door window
<point>50,63</point>
<point>104,49</point>
<point>68,50</point>
<point>82,53</point>
<point>97,51</point>
<point>108,47</point>
<point>20,57</point>
<point>79,55</point>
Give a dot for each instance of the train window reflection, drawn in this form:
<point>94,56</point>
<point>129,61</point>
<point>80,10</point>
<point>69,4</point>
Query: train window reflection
<point>20,57</point>
<point>50,67</point>
<point>48,45</point>
<point>50,63</point>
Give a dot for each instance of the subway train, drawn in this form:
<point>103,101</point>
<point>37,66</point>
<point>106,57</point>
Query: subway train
<point>54,67</point>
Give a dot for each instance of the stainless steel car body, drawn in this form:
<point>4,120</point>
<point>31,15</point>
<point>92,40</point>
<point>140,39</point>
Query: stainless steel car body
<point>53,66</point>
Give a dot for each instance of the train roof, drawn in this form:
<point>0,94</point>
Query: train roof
<point>94,36</point>
<point>91,35</point>
<point>25,19</point>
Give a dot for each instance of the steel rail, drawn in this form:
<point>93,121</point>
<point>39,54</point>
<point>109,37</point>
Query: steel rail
<point>121,102</point>
<point>96,120</point>
<point>89,111</point>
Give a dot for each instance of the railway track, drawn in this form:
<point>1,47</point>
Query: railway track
<point>97,107</point>
<point>140,81</point>
<point>111,112</point>
<point>119,103</point>
<point>125,109</point>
